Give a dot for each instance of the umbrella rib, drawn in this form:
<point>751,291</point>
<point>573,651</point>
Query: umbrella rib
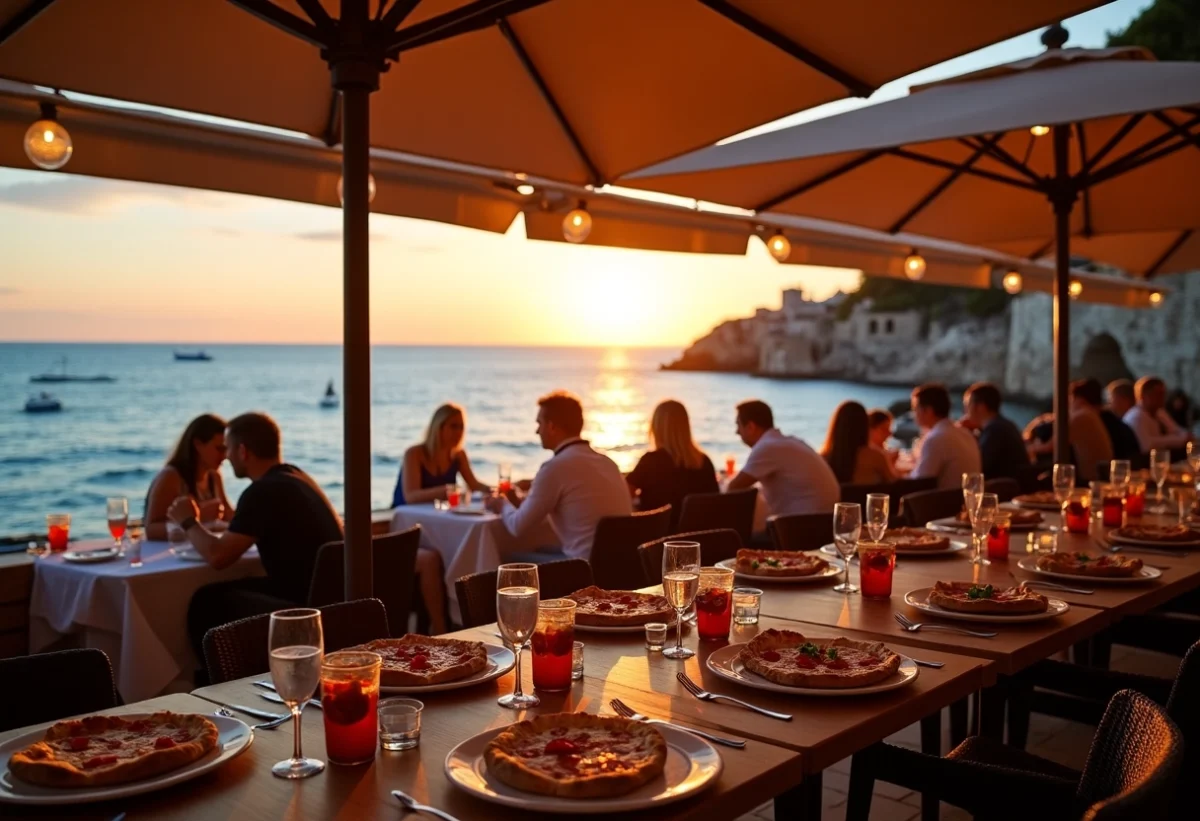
<point>1040,252</point>
<point>23,18</point>
<point>1113,141</point>
<point>807,186</point>
<point>316,12</point>
<point>333,123</point>
<point>463,20</point>
<point>297,26</point>
<point>1149,151</point>
<point>998,153</point>
<point>398,13</point>
<point>904,153</point>
<point>548,97</point>
<point>857,86</point>
<point>1171,249</point>
<point>941,187</point>
<point>1087,189</point>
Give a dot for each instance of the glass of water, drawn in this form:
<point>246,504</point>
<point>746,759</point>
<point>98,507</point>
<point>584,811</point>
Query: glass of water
<point>400,723</point>
<point>656,636</point>
<point>1120,471</point>
<point>746,603</point>
<point>847,526</point>
<point>1160,468</point>
<point>878,510</point>
<point>296,649</point>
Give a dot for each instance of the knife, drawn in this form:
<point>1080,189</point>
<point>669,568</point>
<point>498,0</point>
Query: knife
<point>276,698</point>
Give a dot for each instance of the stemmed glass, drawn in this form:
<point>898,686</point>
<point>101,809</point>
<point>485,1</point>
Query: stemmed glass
<point>878,509</point>
<point>1063,482</point>
<point>847,525</point>
<point>1120,471</point>
<point>118,518</point>
<point>1160,468</point>
<point>504,477</point>
<point>1193,457</point>
<point>297,649</point>
<point>681,582</point>
<point>516,615</point>
<point>972,487</point>
<point>985,517</point>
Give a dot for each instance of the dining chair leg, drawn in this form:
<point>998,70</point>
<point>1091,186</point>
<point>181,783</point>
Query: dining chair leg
<point>931,744</point>
<point>958,722</point>
<point>802,803</point>
<point>991,710</point>
<point>862,788</point>
<point>1020,695</point>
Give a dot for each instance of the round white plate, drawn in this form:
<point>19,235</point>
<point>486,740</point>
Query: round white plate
<point>1147,574</point>
<point>726,664</point>
<point>1115,539</point>
<point>692,765</point>
<point>233,738</point>
<point>952,525</point>
<point>835,569</point>
<point>956,545</point>
<point>500,661</point>
<point>468,511</point>
<point>919,599</point>
<point>625,628</point>
<point>186,553</point>
<point>99,554</point>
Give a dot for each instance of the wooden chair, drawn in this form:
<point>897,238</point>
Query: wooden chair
<point>1131,772</point>
<point>395,559</point>
<point>53,686</point>
<point>715,545</point>
<point>1004,488</point>
<point>895,491</point>
<point>919,508</point>
<point>477,592</point>
<point>614,559</point>
<point>804,531</point>
<point>713,511</point>
<point>239,649</point>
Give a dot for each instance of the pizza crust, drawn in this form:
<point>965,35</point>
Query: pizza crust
<point>1085,564</point>
<point>1157,533</point>
<point>915,539</point>
<point>1004,600</point>
<point>447,659</point>
<point>46,764</point>
<point>773,655</point>
<point>791,563</point>
<point>624,607</point>
<point>627,755</point>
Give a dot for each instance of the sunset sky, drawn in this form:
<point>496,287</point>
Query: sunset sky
<point>84,259</point>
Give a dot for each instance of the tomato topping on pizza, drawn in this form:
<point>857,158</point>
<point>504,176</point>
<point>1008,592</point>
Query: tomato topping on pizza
<point>413,660</point>
<point>778,563</point>
<point>597,607</point>
<point>789,658</point>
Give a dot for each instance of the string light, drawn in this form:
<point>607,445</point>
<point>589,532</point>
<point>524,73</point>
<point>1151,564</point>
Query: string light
<point>1039,130</point>
<point>914,266</point>
<point>1156,299</point>
<point>370,189</point>
<point>779,246</point>
<point>1013,282</point>
<point>47,143</point>
<point>525,189</point>
<point>577,224</point>
<point>1075,289</point>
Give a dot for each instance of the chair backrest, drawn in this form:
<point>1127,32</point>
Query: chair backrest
<point>52,686</point>
<point>395,573</point>
<point>239,649</point>
<point>477,592</point>
<point>927,505</point>
<point>895,491</point>
<point>1004,488</point>
<point>1183,707</point>
<point>615,564</point>
<point>1134,762</point>
<point>801,531</point>
<point>715,545</point>
<point>724,511</point>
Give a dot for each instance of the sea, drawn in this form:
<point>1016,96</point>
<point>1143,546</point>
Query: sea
<point>111,438</point>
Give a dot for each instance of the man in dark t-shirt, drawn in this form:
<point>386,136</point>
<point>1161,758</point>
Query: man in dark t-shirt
<point>283,511</point>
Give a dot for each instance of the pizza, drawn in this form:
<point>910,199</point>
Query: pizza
<point>915,539</point>
<point>1042,499</point>
<point>100,751</point>
<point>414,660</point>
<point>577,755</point>
<point>778,563</point>
<point>966,597</point>
<point>1086,564</point>
<point>597,607</point>
<point>1156,533</point>
<point>789,658</point>
<point>1020,518</point>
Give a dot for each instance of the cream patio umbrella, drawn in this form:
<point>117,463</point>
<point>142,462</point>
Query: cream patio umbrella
<point>1107,141</point>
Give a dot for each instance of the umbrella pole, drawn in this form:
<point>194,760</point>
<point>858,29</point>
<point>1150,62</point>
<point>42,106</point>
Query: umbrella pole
<point>1063,199</point>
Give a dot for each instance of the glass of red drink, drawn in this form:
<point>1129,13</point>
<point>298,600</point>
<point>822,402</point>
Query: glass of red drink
<point>1077,512</point>
<point>553,643</point>
<point>1112,506</point>
<point>730,465</point>
<point>350,705</point>
<point>714,603</point>
<point>451,495</point>
<point>1135,498</point>
<point>877,562</point>
<point>504,478</point>
<point>58,530</point>
<point>998,537</point>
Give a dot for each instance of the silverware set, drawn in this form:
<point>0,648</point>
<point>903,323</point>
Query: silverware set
<point>702,694</point>
<point>622,709</point>
<point>270,724</point>
<point>1049,585</point>
<point>916,626</point>
<point>410,804</point>
<point>274,696</point>
<point>1133,548</point>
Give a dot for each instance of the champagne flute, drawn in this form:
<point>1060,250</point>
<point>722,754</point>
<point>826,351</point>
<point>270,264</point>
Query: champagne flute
<point>1120,471</point>
<point>1063,482</point>
<point>296,650</point>
<point>972,487</point>
<point>1193,456</point>
<point>118,518</point>
<point>516,616</point>
<point>1160,468</point>
<point>878,508</point>
<point>985,517</point>
<point>681,582</point>
<point>847,526</point>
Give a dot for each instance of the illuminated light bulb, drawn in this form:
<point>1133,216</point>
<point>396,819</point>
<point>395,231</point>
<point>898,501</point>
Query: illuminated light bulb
<point>577,224</point>
<point>1156,299</point>
<point>370,189</point>
<point>1039,130</point>
<point>525,189</point>
<point>779,246</point>
<point>1013,282</point>
<point>914,266</point>
<point>47,143</point>
<point>1075,289</point>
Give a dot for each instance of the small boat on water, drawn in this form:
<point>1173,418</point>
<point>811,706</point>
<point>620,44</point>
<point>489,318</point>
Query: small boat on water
<point>63,376</point>
<point>42,403</point>
<point>192,356</point>
<point>330,399</point>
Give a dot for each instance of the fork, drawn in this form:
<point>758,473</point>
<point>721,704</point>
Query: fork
<point>410,804</point>
<point>702,694</point>
<point>622,709</point>
<point>1049,585</point>
<point>266,725</point>
<point>913,626</point>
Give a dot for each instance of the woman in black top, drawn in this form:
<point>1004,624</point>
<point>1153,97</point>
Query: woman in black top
<point>675,467</point>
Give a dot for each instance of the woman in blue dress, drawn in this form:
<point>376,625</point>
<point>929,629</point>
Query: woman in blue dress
<point>437,462</point>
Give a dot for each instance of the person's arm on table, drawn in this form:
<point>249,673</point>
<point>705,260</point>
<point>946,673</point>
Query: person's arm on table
<point>523,514</point>
<point>464,467</point>
<point>220,550</point>
<point>165,489</point>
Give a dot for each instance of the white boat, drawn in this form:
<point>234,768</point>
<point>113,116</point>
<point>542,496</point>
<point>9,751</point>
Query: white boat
<point>330,399</point>
<point>42,403</point>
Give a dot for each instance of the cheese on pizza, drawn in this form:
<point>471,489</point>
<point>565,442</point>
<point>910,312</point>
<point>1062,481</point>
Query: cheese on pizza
<point>966,597</point>
<point>414,660</point>
<point>597,607</point>
<point>915,539</point>
<point>790,658</point>
<point>1087,564</point>
<point>778,563</point>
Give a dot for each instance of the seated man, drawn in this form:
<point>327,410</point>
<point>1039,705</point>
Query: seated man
<point>283,511</point>
<point>1120,397</point>
<point>794,478</point>
<point>1149,419</point>
<point>1001,448</point>
<point>574,489</point>
<point>946,450</point>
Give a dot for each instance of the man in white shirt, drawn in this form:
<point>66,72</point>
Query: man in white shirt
<point>1149,419</point>
<point>575,489</point>
<point>946,450</point>
<point>794,478</point>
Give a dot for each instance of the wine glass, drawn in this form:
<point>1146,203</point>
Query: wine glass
<point>1063,482</point>
<point>118,518</point>
<point>972,486</point>
<point>296,650</point>
<point>878,508</point>
<point>681,582</point>
<point>516,616</point>
<point>1120,471</point>
<point>847,525</point>
<point>1193,456</point>
<point>1160,468</point>
<point>985,517</point>
<point>504,477</point>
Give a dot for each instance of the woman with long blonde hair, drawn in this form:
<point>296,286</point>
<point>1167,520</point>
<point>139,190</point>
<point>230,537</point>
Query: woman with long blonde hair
<point>675,467</point>
<point>435,463</point>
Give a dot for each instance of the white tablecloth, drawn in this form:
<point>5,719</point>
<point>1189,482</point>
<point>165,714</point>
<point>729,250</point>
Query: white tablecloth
<point>468,544</point>
<point>137,616</point>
